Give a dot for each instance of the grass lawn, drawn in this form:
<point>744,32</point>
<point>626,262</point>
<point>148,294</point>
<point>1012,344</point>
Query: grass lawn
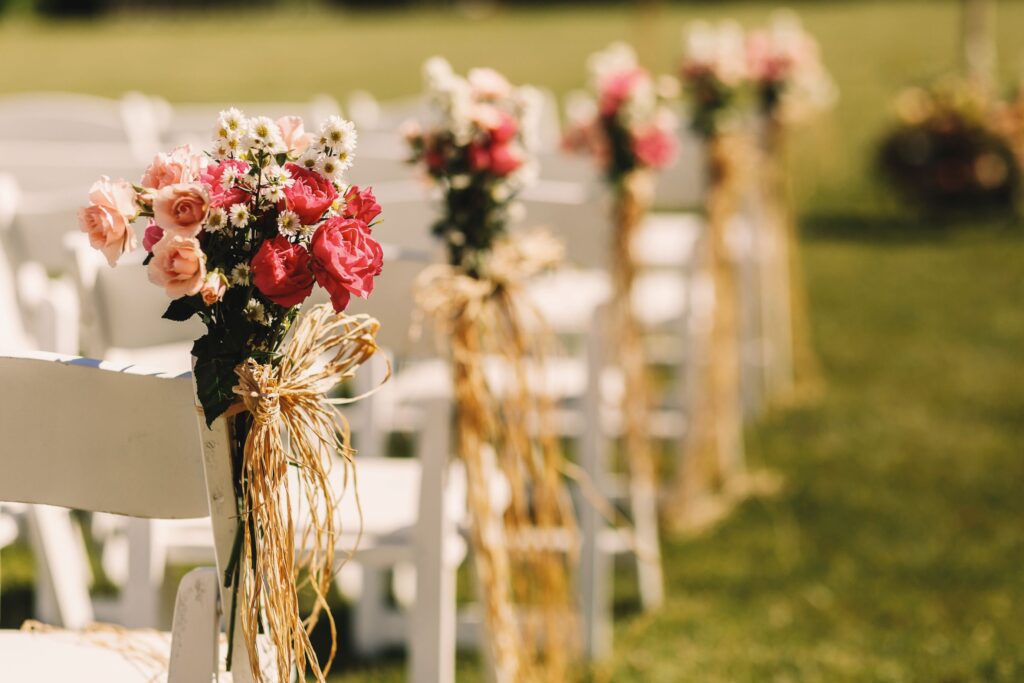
<point>896,550</point>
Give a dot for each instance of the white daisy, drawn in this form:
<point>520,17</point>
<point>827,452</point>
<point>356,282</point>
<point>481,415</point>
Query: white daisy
<point>289,224</point>
<point>264,134</point>
<point>240,275</point>
<point>216,220</point>
<point>255,312</point>
<point>239,215</point>
<point>338,134</point>
<point>229,178</point>
<point>231,120</point>
<point>460,181</point>
<point>309,159</point>
<point>272,193</point>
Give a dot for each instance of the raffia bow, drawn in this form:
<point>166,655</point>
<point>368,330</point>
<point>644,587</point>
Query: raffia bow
<point>484,317</point>
<point>295,428</point>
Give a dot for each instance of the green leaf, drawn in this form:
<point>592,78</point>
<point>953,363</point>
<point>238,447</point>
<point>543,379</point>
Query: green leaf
<point>184,308</point>
<point>215,375</point>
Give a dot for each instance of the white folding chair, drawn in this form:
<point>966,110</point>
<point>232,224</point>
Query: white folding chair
<point>129,443</point>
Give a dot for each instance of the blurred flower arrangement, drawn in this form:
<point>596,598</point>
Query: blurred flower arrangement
<point>478,149</point>
<point>239,237</point>
<point>952,148</point>
<point>786,71</point>
<point>714,72</point>
<point>632,125</point>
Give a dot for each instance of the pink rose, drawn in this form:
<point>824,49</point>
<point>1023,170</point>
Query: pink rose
<point>617,88</point>
<point>504,160</point>
<point>655,147</point>
<point>107,219</point>
<point>182,208</point>
<point>180,166</point>
<point>118,195</point>
<point>220,197</point>
<point>153,234</point>
<point>345,259</point>
<point>108,231</point>
<point>361,204</point>
<point>294,134</point>
<point>178,265</point>
<point>280,270</point>
<point>310,195</point>
<point>214,286</point>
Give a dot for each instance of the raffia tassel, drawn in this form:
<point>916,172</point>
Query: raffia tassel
<point>487,317</point>
<point>296,428</point>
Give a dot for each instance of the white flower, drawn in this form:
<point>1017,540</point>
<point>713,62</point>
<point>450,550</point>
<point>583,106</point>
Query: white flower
<point>232,120</point>
<point>338,134</point>
<point>239,215</point>
<point>255,312</point>
<point>272,193</point>
<point>264,135</point>
<point>289,224</point>
<point>240,275</point>
<point>333,167</point>
<point>229,178</point>
<point>216,220</point>
<point>501,192</point>
<point>460,181</point>
<point>277,175</point>
<point>309,159</point>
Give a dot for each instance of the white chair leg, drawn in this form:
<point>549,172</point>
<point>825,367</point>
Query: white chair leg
<point>140,595</point>
<point>369,613</point>
<point>63,575</point>
<point>595,565</point>
<point>196,628</point>
<point>432,621</point>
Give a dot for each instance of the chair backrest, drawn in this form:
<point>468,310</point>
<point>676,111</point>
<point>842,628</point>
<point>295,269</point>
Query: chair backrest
<point>119,306</point>
<point>80,434</point>
<point>579,216</point>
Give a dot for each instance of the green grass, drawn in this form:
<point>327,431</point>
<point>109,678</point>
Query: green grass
<point>895,551</point>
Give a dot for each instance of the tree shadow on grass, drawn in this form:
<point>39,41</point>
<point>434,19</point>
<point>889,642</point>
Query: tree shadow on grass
<point>902,228</point>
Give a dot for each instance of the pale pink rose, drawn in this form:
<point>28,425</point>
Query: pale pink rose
<point>180,166</point>
<point>118,195</point>
<point>213,288</point>
<point>181,208</point>
<point>294,134</point>
<point>489,84</point>
<point>107,229</point>
<point>178,265</point>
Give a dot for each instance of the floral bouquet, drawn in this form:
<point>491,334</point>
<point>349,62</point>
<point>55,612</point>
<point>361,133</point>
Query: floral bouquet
<point>632,125</point>
<point>477,146</point>
<point>714,72</point>
<point>785,69</point>
<point>239,237</point>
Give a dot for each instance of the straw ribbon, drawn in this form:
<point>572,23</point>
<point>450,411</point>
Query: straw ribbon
<point>294,426</point>
<point>486,317</point>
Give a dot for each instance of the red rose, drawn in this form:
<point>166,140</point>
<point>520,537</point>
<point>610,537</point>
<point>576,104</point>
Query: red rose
<point>506,130</point>
<point>345,259</point>
<point>361,204</point>
<point>280,270</point>
<point>504,160</point>
<point>212,177</point>
<point>310,195</point>
<point>479,157</point>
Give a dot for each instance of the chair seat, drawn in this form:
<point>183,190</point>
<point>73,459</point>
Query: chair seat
<point>121,656</point>
<point>567,298</point>
<point>667,239</point>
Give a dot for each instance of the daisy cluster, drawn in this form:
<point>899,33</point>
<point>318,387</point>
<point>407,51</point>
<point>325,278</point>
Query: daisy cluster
<point>240,236</point>
<point>477,142</point>
<point>632,124</point>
